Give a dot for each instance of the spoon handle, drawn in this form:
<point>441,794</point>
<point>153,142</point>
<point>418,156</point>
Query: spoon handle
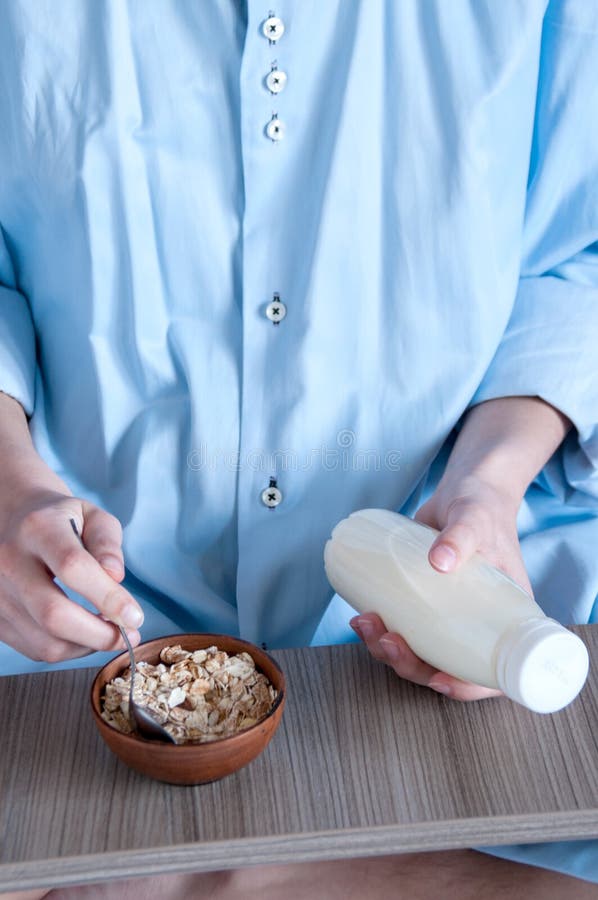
<point>127,645</point>
<point>132,680</point>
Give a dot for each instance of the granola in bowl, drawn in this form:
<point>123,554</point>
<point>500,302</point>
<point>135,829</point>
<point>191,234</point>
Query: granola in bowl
<point>199,696</point>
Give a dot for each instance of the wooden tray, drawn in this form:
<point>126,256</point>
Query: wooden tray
<point>362,764</point>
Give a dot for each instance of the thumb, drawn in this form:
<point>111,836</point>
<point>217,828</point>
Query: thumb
<point>458,541</point>
<point>427,514</point>
<point>102,537</point>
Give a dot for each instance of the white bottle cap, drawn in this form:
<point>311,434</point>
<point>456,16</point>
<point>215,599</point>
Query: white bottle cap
<point>541,665</point>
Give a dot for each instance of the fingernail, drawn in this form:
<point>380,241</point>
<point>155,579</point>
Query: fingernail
<point>443,557</point>
<point>131,616</point>
<point>390,649</point>
<point>113,563</point>
<point>354,623</point>
<point>364,628</point>
<point>440,688</point>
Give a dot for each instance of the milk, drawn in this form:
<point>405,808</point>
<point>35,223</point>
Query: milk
<point>476,623</point>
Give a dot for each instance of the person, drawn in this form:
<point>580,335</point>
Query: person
<point>262,267</point>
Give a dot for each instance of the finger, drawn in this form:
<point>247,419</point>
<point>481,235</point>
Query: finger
<point>391,649</point>
<point>370,629</point>
<point>400,657</point>
<point>36,644</point>
<point>460,690</point>
<point>59,616</point>
<point>62,552</point>
<point>410,667</point>
<point>102,537</point>
<point>456,543</point>
<point>426,516</point>
<point>469,531</point>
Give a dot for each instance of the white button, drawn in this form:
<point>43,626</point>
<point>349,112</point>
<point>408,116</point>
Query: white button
<point>271,497</point>
<point>276,311</point>
<point>276,81</point>
<point>273,28</point>
<point>275,129</point>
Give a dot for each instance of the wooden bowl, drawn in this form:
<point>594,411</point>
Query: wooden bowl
<point>190,763</point>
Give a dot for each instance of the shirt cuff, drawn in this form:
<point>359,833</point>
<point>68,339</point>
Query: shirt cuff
<point>549,351</point>
<point>17,349</point>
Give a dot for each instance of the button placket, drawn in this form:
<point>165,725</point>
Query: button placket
<point>275,81</point>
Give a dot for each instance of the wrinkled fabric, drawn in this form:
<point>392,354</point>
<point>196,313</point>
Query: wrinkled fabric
<point>429,221</point>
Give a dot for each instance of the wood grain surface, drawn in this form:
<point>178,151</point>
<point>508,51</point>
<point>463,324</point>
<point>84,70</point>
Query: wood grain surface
<point>363,764</point>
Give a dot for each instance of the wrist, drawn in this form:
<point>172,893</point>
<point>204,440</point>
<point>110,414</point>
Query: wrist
<point>23,473</point>
<point>505,442</point>
<point>497,467</point>
<point>481,485</point>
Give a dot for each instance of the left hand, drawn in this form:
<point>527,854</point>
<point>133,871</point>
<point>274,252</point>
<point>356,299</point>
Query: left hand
<point>473,515</point>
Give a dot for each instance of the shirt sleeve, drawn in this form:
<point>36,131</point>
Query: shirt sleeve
<point>550,346</point>
<point>17,338</point>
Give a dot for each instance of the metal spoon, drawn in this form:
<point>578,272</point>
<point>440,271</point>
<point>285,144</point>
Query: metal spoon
<point>141,719</point>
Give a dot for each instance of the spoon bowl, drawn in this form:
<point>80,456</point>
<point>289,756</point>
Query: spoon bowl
<point>141,718</point>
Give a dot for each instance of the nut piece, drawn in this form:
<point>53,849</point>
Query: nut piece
<point>198,697</point>
<point>176,697</point>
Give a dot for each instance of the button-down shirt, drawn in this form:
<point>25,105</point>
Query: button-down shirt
<point>420,198</point>
<point>418,201</point>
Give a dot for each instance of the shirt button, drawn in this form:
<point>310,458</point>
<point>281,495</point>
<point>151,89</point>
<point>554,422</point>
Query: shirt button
<point>275,129</point>
<point>273,28</point>
<point>271,497</point>
<point>276,311</point>
<point>276,80</point>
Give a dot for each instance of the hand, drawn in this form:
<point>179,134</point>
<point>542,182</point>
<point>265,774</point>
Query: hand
<point>473,516</point>
<point>37,543</point>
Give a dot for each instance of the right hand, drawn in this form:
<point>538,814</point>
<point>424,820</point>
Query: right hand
<point>38,544</point>
<point>472,515</point>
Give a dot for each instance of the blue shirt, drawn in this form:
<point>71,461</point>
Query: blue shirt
<point>419,197</point>
<point>428,225</point>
